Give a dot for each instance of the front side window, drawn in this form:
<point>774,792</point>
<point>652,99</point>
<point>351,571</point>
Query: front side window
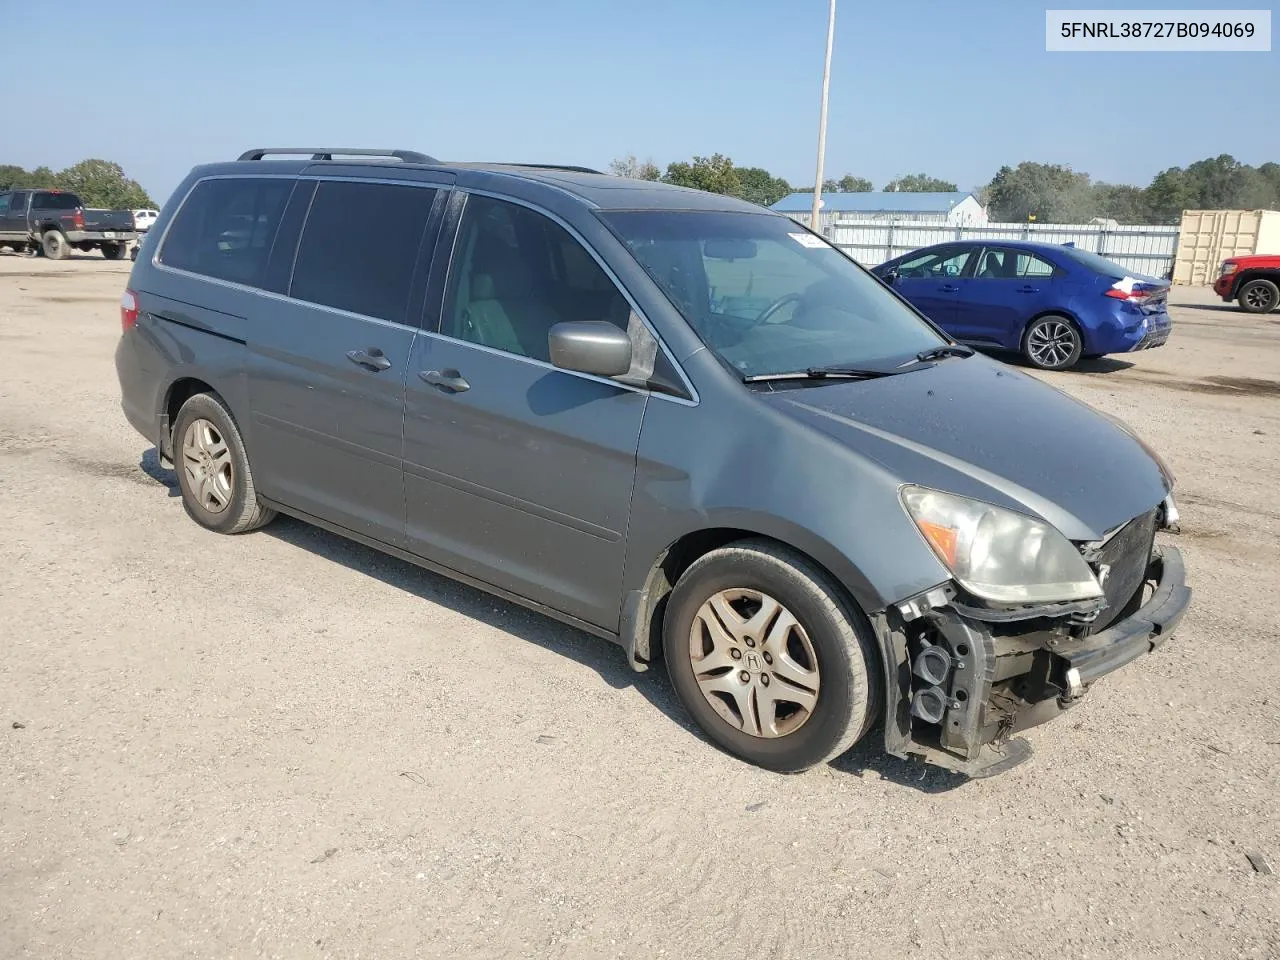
<point>947,262</point>
<point>359,247</point>
<point>225,228</point>
<point>4,204</point>
<point>767,297</point>
<point>517,274</point>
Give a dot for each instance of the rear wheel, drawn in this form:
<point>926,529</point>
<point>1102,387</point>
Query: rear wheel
<point>55,245</point>
<point>1052,343</point>
<point>1258,296</point>
<point>770,657</point>
<point>213,468</point>
<point>114,251</point>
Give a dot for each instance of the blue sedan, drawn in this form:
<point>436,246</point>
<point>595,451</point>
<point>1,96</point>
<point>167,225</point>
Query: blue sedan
<point>1053,304</point>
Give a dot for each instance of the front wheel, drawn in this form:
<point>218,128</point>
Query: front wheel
<point>213,468</point>
<point>769,656</point>
<point>1258,296</point>
<point>1052,343</point>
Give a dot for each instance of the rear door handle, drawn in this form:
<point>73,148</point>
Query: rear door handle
<point>371,359</point>
<point>450,380</point>
<point>949,289</point>
<point>1028,289</point>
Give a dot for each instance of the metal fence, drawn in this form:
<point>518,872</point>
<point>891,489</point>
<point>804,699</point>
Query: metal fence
<point>1143,249</point>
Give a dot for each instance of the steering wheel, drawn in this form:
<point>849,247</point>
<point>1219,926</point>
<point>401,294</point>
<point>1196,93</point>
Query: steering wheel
<point>777,305</point>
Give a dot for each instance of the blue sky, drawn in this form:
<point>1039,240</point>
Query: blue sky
<point>949,89</point>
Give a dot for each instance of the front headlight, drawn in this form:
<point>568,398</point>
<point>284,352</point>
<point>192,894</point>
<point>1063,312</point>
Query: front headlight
<point>1229,267</point>
<point>997,554</point>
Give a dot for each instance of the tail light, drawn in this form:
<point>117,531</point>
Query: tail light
<point>77,219</point>
<point>128,311</point>
<point>1131,291</point>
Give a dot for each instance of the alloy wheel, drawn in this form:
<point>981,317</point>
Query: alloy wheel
<point>206,459</point>
<point>754,663</point>
<point>1051,343</point>
<point>1258,297</point>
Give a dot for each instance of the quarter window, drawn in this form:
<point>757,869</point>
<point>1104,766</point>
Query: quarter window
<point>360,246</point>
<point>518,273</point>
<point>225,228</point>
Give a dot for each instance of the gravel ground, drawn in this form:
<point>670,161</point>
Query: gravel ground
<point>287,745</point>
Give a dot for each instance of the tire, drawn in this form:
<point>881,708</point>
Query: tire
<point>780,735</point>
<point>114,251</point>
<point>133,254</point>
<point>1052,342</point>
<point>217,489</point>
<point>1258,296</point>
<point>55,245</point>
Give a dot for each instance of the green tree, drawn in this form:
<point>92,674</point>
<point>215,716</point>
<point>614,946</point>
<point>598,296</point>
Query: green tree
<point>760,186</point>
<point>102,183</point>
<point>634,169</point>
<point>851,184</point>
<point>715,174</point>
<point>1049,192</point>
<point>1121,202</point>
<point>920,183</point>
<point>13,177</point>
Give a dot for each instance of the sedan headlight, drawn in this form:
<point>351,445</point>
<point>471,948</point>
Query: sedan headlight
<point>997,554</point>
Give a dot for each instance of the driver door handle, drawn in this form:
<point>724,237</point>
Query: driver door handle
<point>371,359</point>
<point>450,380</point>
<point>949,288</point>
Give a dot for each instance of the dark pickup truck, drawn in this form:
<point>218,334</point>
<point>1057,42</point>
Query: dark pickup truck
<point>55,222</point>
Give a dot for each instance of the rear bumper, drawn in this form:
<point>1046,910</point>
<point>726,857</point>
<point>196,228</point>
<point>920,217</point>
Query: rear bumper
<point>98,236</point>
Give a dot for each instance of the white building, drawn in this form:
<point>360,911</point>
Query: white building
<point>950,209</point>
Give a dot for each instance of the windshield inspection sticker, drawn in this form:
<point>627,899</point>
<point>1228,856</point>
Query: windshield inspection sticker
<point>807,240</point>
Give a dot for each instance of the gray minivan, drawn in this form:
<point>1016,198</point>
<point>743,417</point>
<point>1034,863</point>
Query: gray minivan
<point>676,420</point>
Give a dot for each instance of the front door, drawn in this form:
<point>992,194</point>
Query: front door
<point>328,365</point>
<point>517,473</point>
<point>13,215</point>
<point>1008,287</point>
<point>930,281</point>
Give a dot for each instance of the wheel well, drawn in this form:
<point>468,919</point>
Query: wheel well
<point>180,391</point>
<point>646,623</point>
<point>1084,341</point>
<point>1249,275</point>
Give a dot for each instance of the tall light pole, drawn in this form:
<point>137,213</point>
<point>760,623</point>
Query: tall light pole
<point>822,123</point>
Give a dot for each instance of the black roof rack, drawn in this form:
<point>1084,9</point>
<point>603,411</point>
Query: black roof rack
<point>328,153</point>
<point>553,166</point>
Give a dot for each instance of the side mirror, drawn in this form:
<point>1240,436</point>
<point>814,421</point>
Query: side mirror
<point>891,276</point>
<point>590,346</point>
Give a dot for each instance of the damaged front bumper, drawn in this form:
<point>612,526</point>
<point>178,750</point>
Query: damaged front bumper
<point>962,681</point>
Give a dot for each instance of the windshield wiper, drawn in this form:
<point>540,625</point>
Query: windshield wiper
<point>823,373</point>
<point>945,350</point>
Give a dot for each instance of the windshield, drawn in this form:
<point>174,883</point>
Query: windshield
<point>767,296</point>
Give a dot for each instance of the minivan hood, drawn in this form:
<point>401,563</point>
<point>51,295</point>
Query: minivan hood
<point>978,428</point>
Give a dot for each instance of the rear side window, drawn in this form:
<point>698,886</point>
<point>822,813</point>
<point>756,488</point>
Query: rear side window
<point>4,204</point>
<point>360,246</point>
<point>225,228</point>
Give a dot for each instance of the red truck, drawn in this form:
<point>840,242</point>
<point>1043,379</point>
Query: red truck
<point>1252,281</point>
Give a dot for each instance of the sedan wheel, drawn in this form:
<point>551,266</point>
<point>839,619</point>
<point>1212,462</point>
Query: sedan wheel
<point>1052,343</point>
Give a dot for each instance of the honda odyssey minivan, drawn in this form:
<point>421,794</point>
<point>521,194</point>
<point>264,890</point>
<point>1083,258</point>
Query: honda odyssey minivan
<point>675,420</point>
